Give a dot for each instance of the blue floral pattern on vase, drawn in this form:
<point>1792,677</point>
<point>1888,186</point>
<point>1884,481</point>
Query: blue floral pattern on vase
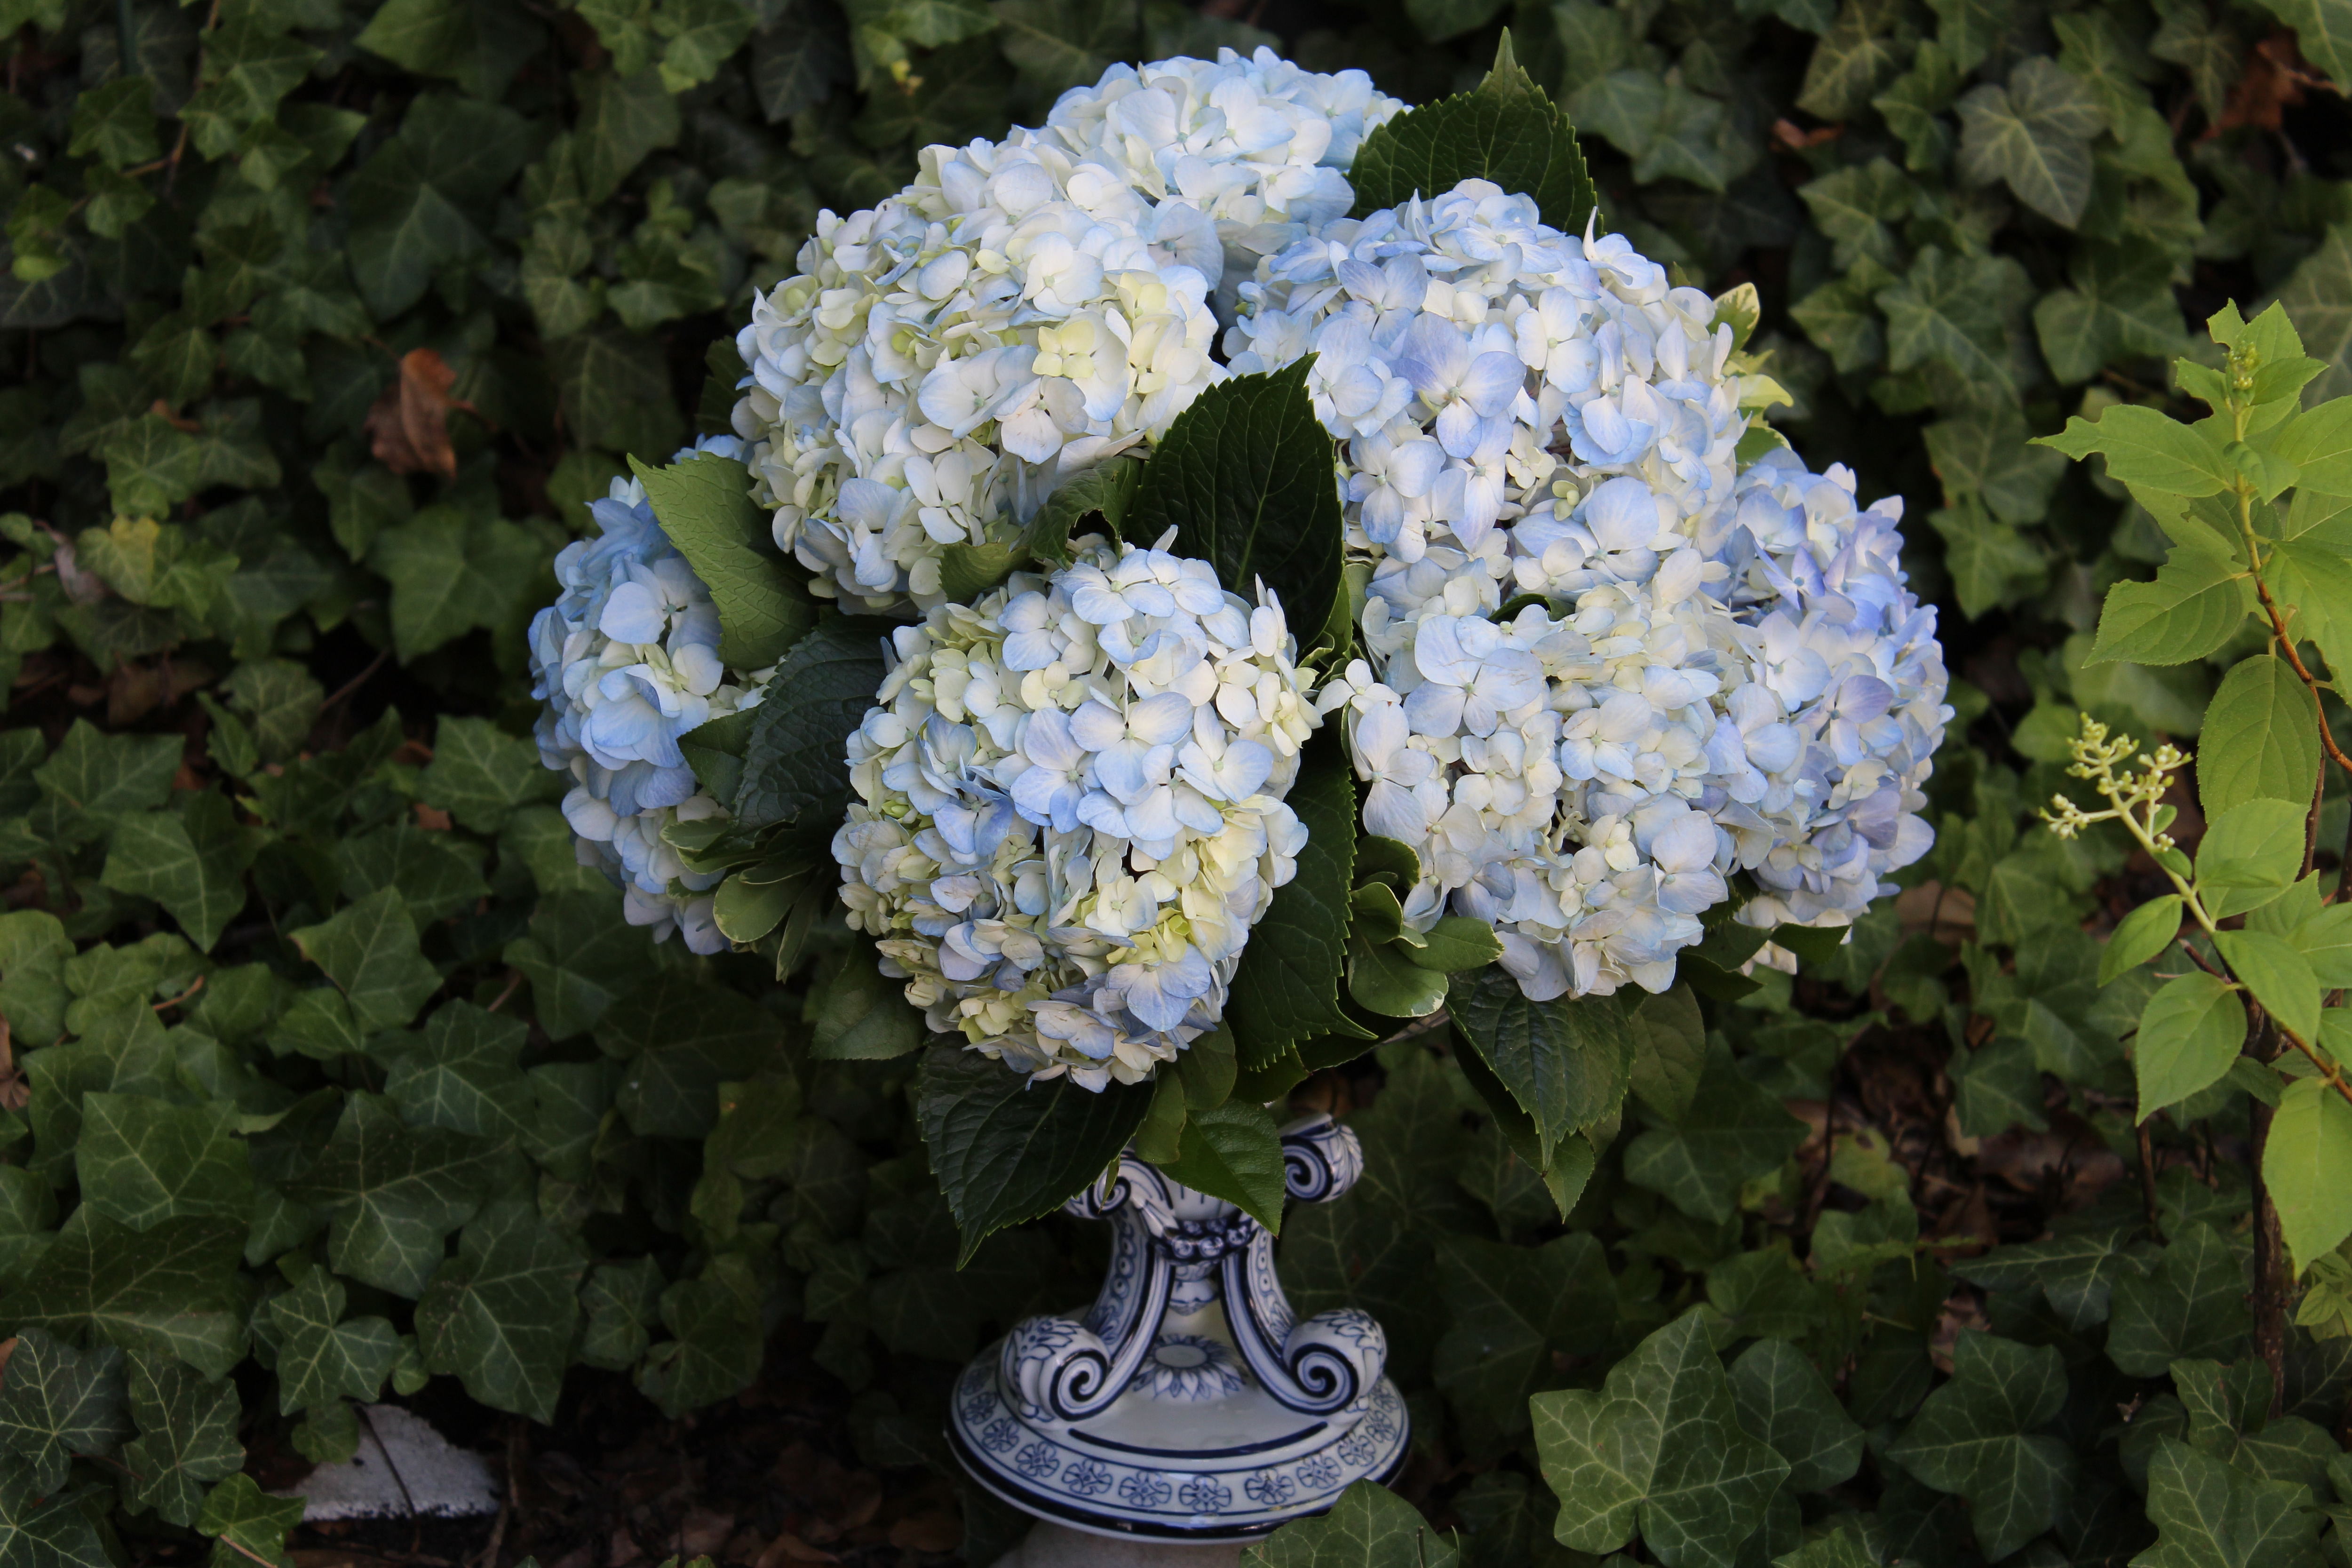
<point>1189,1369</point>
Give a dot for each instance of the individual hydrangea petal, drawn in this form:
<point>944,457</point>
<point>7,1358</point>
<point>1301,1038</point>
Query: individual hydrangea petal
<point>1063,865</point>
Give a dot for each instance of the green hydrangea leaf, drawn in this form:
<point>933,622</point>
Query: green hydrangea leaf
<point>793,757</point>
<point>1234,1151</point>
<point>1006,1150</point>
<point>1287,987</point>
<point>705,507</point>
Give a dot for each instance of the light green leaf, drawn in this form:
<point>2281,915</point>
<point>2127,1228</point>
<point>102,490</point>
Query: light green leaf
<point>2260,738</point>
<point>2251,853</point>
<point>2141,935</point>
<point>1383,978</point>
<point>502,1313</point>
<point>705,505</point>
<point>1977,1437</point>
<point>2190,1303</point>
<point>2324,937</point>
<point>2279,976</point>
<point>1005,1150</point>
<point>187,1436</point>
<point>369,950</point>
<point>1368,1526</point>
<point>2196,603</point>
<point>1659,1451</point>
<point>2189,1032</point>
<point>2307,1169</point>
<point>2144,448</point>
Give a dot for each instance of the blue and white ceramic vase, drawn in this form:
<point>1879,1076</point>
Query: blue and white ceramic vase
<point>1189,1403</point>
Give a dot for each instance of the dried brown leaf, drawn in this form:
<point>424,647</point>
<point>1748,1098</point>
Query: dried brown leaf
<point>409,425</point>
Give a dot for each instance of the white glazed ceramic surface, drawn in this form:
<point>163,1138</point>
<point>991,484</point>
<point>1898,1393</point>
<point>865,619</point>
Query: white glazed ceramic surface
<point>1189,1403</point>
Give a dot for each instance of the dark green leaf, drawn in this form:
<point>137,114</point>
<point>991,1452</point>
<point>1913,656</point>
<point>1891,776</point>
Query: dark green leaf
<point>59,1402</point>
<point>1232,1152</point>
<point>2191,1302</point>
<point>1286,988</point>
<point>1732,1132</point>
<point>1368,1527</point>
<point>705,507</point>
<point>1006,1149</point>
<point>502,1313</point>
<point>794,766</point>
<point>1563,1061</point>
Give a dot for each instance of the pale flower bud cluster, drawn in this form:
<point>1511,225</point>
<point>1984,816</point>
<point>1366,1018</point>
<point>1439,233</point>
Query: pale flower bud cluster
<point>940,363</point>
<point>627,660</point>
<point>1069,808</point>
<point>1481,367</point>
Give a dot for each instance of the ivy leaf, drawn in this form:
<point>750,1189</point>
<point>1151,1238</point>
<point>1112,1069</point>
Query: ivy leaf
<point>2261,737</point>
<point>59,1402</point>
<point>502,1313</point>
<point>1245,476</point>
<point>173,1288</point>
<point>1232,1152</point>
<point>109,776</point>
<point>320,1357</point>
<point>1560,1060</point>
<point>2076,1272</point>
<point>192,862</point>
<point>705,505</point>
<point>2191,1303</point>
<point>187,1436</point>
<point>1287,987</point>
<point>140,1159</point>
<point>1659,1451</point>
<point>2034,133</point>
<point>1985,451</point>
<point>719,1339</point>
<point>465,1074</point>
<point>2189,1032</point>
<point>1991,562</point>
<point>1005,1150</point>
<point>1975,1436</point>
<point>1732,1132</point>
<point>1782,1398</point>
<point>1947,308</point>
<point>1863,49</point>
<point>613,389</point>
<point>1510,1308</point>
<point>797,61</point>
<point>2121,307</point>
<point>1368,1526</point>
<point>43,1528</point>
<point>237,1511</point>
<point>451,572</point>
<point>369,950</point>
<point>1506,129</point>
<point>580,955</point>
<point>2210,1514</point>
<point>792,758</point>
<point>2307,1167</point>
<point>479,774</point>
<point>395,1194</point>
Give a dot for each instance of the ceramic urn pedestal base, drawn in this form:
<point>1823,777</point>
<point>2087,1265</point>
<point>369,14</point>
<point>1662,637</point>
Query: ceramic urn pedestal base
<point>1190,1403</point>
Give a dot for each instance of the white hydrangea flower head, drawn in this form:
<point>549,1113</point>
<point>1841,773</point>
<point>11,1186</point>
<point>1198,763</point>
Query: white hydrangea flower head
<point>1720,672</point>
<point>1025,310</point>
<point>626,661</point>
<point>1069,808</point>
<point>1483,368</point>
